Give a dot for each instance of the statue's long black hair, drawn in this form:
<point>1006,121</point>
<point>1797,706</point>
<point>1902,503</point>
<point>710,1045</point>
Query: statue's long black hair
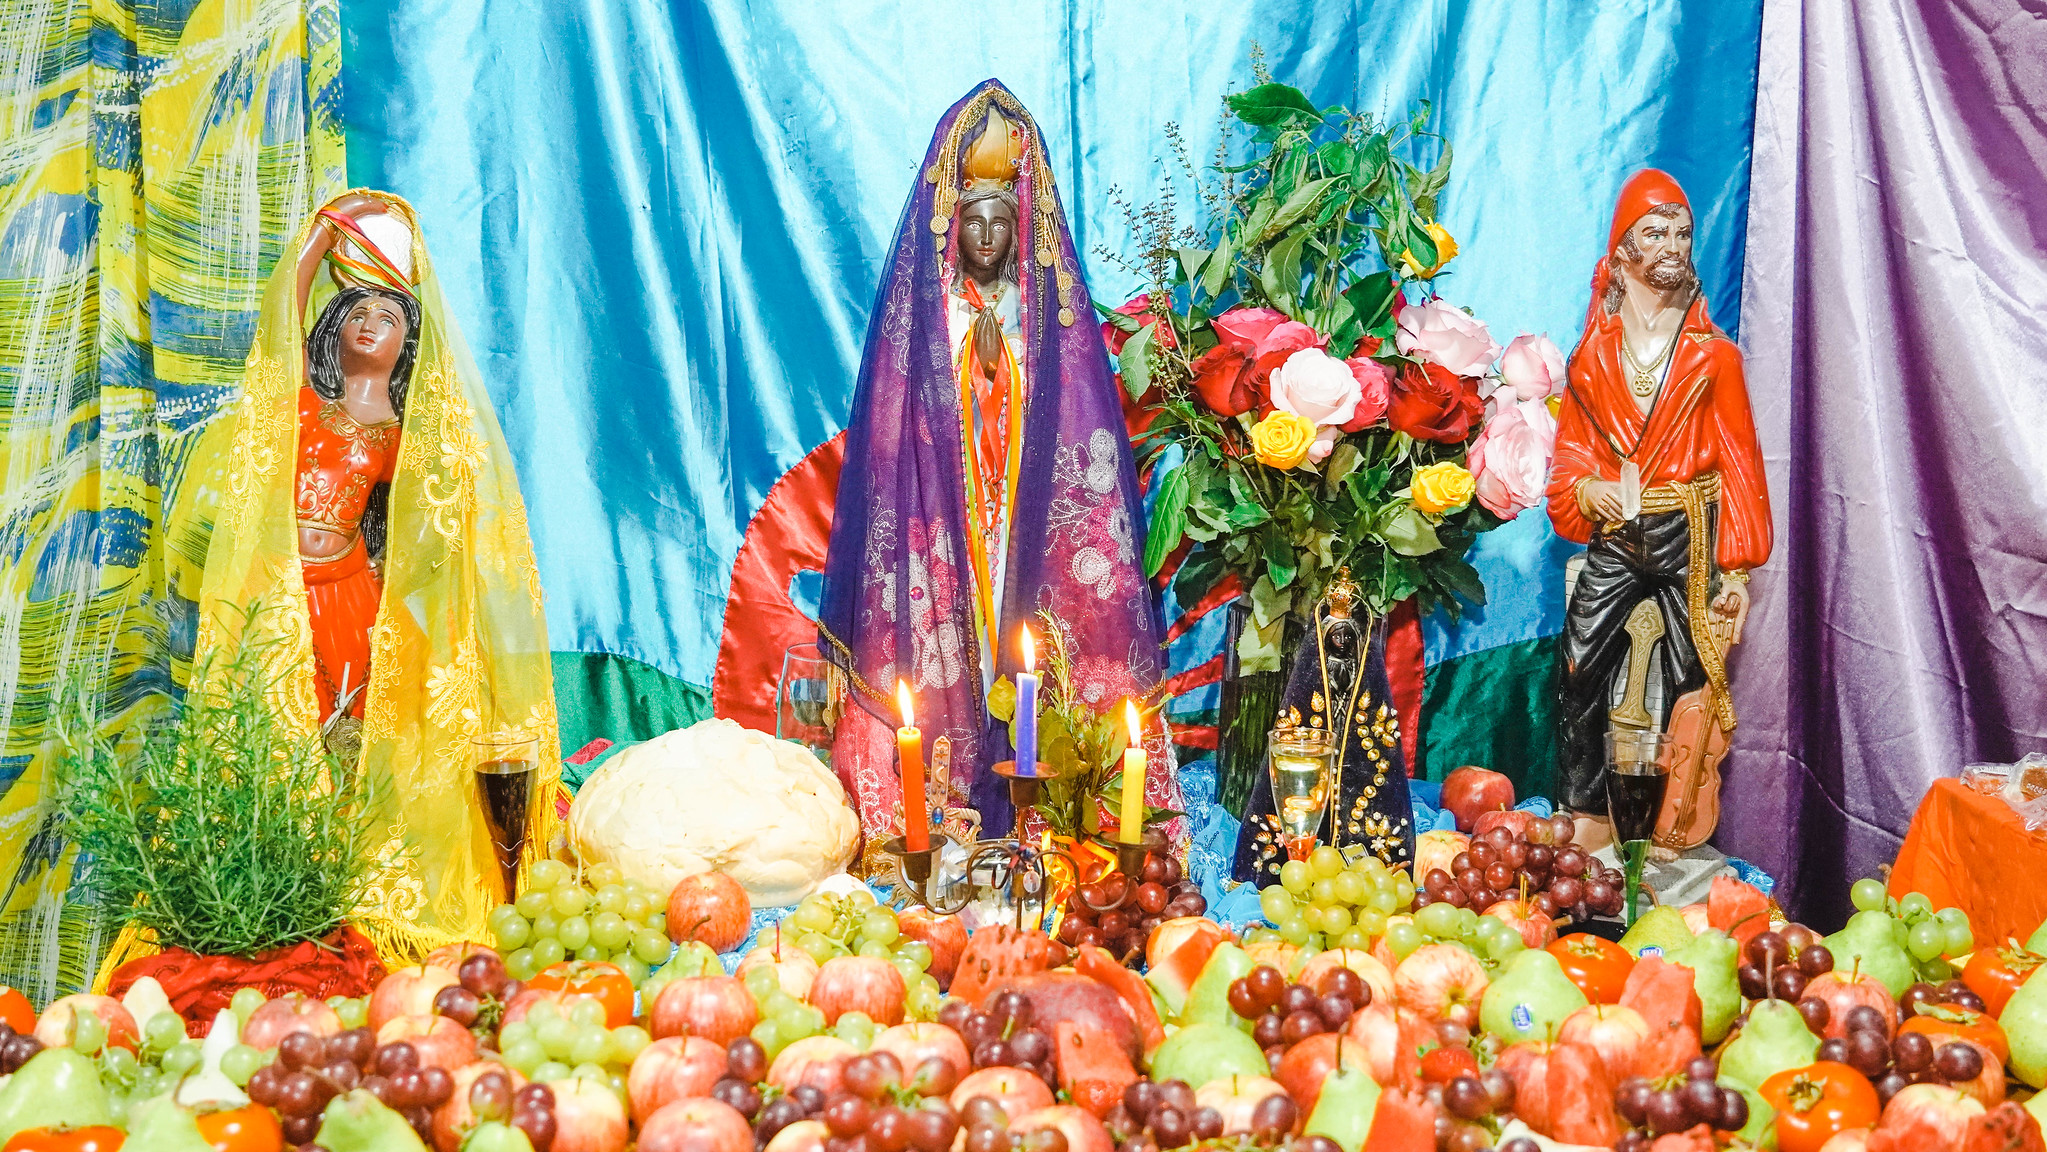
<point>323,348</point>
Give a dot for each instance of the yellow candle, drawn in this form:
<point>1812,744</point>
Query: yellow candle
<point>1134,766</point>
<point>910,755</point>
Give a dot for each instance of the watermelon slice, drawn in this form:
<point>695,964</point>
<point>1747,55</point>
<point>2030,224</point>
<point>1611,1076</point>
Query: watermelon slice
<point>1130,987</point>
<point>1664,995</point>
<point>1738,909</point>
<point>999,953</point>
<point>1405,1122</point>
<point>1177,952</point>
<point>1092,1067</point>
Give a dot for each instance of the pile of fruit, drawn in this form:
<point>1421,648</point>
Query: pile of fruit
<point>1367,1014</point>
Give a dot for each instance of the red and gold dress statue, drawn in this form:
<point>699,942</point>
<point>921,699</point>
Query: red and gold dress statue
<point>1658,471</point>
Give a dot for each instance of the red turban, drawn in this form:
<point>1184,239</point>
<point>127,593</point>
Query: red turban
<point>1644,190</point>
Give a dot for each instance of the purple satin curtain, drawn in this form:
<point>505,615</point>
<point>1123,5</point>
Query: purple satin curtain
<point>1895,322</point>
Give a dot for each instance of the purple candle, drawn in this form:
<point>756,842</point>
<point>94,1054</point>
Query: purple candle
<point>1027,709</point>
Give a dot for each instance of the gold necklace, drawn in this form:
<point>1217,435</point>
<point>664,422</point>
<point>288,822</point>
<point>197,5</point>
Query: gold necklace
<point>1646,378</point>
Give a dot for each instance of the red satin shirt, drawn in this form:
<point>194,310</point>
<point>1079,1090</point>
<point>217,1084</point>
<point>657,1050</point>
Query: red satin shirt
<point>340,461</point>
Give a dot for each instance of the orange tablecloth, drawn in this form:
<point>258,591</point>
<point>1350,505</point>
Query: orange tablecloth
<point>1971,851</point>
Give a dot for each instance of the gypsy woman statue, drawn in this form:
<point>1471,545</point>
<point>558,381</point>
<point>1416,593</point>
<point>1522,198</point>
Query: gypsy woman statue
<point>366,500</point>
<point>988,476</point>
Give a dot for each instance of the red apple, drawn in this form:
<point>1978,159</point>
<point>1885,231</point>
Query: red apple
<point>794,969</point>
<point>1470,790</point>
<point>279,1018</point>
<point>1079,1000</point>
<point>711,907</point>
<point>1537,930</point>
<point>408,992</point>
<point>819,1061</point>
<point>589,1117</point>
<point>451,956</point>
<point>1083,1132</point>
<point>1307,1064</point>
<point>1019,1092</point>
<point>1442,982</point>
<point>1852,1140</point>
<point>1237,1097</point>
<point>1845,991</point>
<point>521,1005</point>
<point>1520,824</point>
<point>700,1125</point>
<point>718,1008</point>
<point>802,1136</point>
<point>912,1044</point>
<point>1562,1090</point>
<point>945,935</point>
<point>858,984</point>
<point>1376,1028</point>
<point>674,1068</point>
<point>441,1042</point>
<point>454,1119</point>
<point>1614,1031</point>
<point>1375,975</point>
<point>1438,849</point>
<point>53,1028</point>
<point>1276,954</point>
<point>1929,1116</point>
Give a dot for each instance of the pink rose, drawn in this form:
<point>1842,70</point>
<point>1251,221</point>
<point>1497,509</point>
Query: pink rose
<point>1511,456</point>
<point>1440,333</point>
<point>1533,367</point>
<point>1315,386</point>
<point>1375,392</point>
<point>1233,376</point>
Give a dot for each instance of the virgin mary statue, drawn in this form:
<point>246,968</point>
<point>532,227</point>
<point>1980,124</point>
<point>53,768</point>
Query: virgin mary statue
<point>988,476</point>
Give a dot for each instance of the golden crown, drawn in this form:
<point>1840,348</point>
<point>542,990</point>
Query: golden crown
<point>992,161</point>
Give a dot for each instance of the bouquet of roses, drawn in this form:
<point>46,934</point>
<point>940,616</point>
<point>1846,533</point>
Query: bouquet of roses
<point>1318,405</point>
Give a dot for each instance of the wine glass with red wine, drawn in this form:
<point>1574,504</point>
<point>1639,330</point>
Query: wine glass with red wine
<point>1638,771</point>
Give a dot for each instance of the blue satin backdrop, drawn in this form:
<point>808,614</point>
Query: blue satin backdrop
<point>662,223</point>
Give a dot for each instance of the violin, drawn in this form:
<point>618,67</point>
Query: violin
<point>1696,746</point>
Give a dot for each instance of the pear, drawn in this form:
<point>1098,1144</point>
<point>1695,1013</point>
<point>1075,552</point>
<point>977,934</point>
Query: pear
<point>159,1125</point>
<point>1530,999</point>
<point>1868,940</point>
<point>358,1123</point>
<point>1344,1111</point>
<point>1713,957</point>
<point>1198,1053</point>
<point>2024,1021</point>
<point>2037,942</point>
<point>57,1086</point>
<point>1775,1038</point>
<point>494,1136</point>
<point>1208,1001</point>
<point>1661,928</point>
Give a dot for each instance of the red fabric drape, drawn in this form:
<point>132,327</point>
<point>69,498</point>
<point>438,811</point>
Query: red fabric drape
<point>343,964</point>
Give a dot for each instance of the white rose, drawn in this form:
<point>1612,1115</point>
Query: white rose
<point>1442,333</point>
<point>1315,386</point>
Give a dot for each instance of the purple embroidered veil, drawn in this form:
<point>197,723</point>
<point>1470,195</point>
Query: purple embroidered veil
<point>898,589</point>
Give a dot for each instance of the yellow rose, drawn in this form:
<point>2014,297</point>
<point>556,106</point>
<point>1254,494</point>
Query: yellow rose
<point>1446,247</point>
<point>1441,487</point>
<point>1282,440</point>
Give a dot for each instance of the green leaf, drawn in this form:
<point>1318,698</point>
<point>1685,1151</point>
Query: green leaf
<point>1410,534</point>
<point>1255,223</point>
<point>1337,158</point>
<point>1117,320</point>
<point>1343,460</point>
<point>1191,260</point>
<point>1280,563</point>
<point>1281,274</point>
<point>1371,166</point>
<point>1299,204</point>
<point>1217,272</point>
<point>1273,104</point>
<point>1168,521</point>
<point>1439,176</point>
<point>1421,246</point>
<point>1198,574</point>
<point>1456,575</point>
<point>1246,514</point>
<point>1372,299</point>
<point>1134,362</point>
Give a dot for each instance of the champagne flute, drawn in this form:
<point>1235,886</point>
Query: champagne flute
<point>1302,762</point>
<point>1637,774</point>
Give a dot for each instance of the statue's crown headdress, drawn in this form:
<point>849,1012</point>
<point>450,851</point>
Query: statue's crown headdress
<point>992,161</point>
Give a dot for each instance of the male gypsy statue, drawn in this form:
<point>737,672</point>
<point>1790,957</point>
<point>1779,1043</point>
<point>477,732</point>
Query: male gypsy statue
<point>988,476</point>
<point>1658,471</point>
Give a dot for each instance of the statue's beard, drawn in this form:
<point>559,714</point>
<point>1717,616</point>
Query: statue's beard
<point>1667,272</point>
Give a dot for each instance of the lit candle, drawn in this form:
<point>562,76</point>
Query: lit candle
<point>910,754</point>
<point>1132,829</point>
<point>1027,709</point>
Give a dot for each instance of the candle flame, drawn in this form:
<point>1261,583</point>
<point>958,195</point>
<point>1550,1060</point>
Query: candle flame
<point>903,704</point>
<point>1030,649</point>
<point>1136,724</point>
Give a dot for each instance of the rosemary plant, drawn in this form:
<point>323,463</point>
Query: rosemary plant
<point>223,831</point>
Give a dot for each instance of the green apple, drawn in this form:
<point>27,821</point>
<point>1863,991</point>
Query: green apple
<point>358,1123</point>
<point>1775,1038</point>
<point>1198,1053</point>
<point>1661,928</point>
<point>1713,957</point>
<point>2024,1021</point>
<point>1344,1111</point>
<point>57,1086</point>
<point>1869,944</point>
<point>492,1136</point>
<point>159,1125</point>
<point>1530,999</point>
<point>1208,1001</point>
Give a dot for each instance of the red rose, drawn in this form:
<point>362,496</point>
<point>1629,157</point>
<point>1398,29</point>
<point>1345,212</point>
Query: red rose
<point>1138,307</point>
<point>1432,403</point>
<point>1233,376</point>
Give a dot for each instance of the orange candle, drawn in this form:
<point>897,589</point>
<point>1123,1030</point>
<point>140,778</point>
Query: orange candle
<point>910,755</point>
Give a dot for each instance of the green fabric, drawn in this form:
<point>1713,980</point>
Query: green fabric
<point>619,699</point>
<point>1496,709</point>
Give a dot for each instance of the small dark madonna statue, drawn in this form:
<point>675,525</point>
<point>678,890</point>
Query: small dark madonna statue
<point>1339,684</point>
<point>988,476</point>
